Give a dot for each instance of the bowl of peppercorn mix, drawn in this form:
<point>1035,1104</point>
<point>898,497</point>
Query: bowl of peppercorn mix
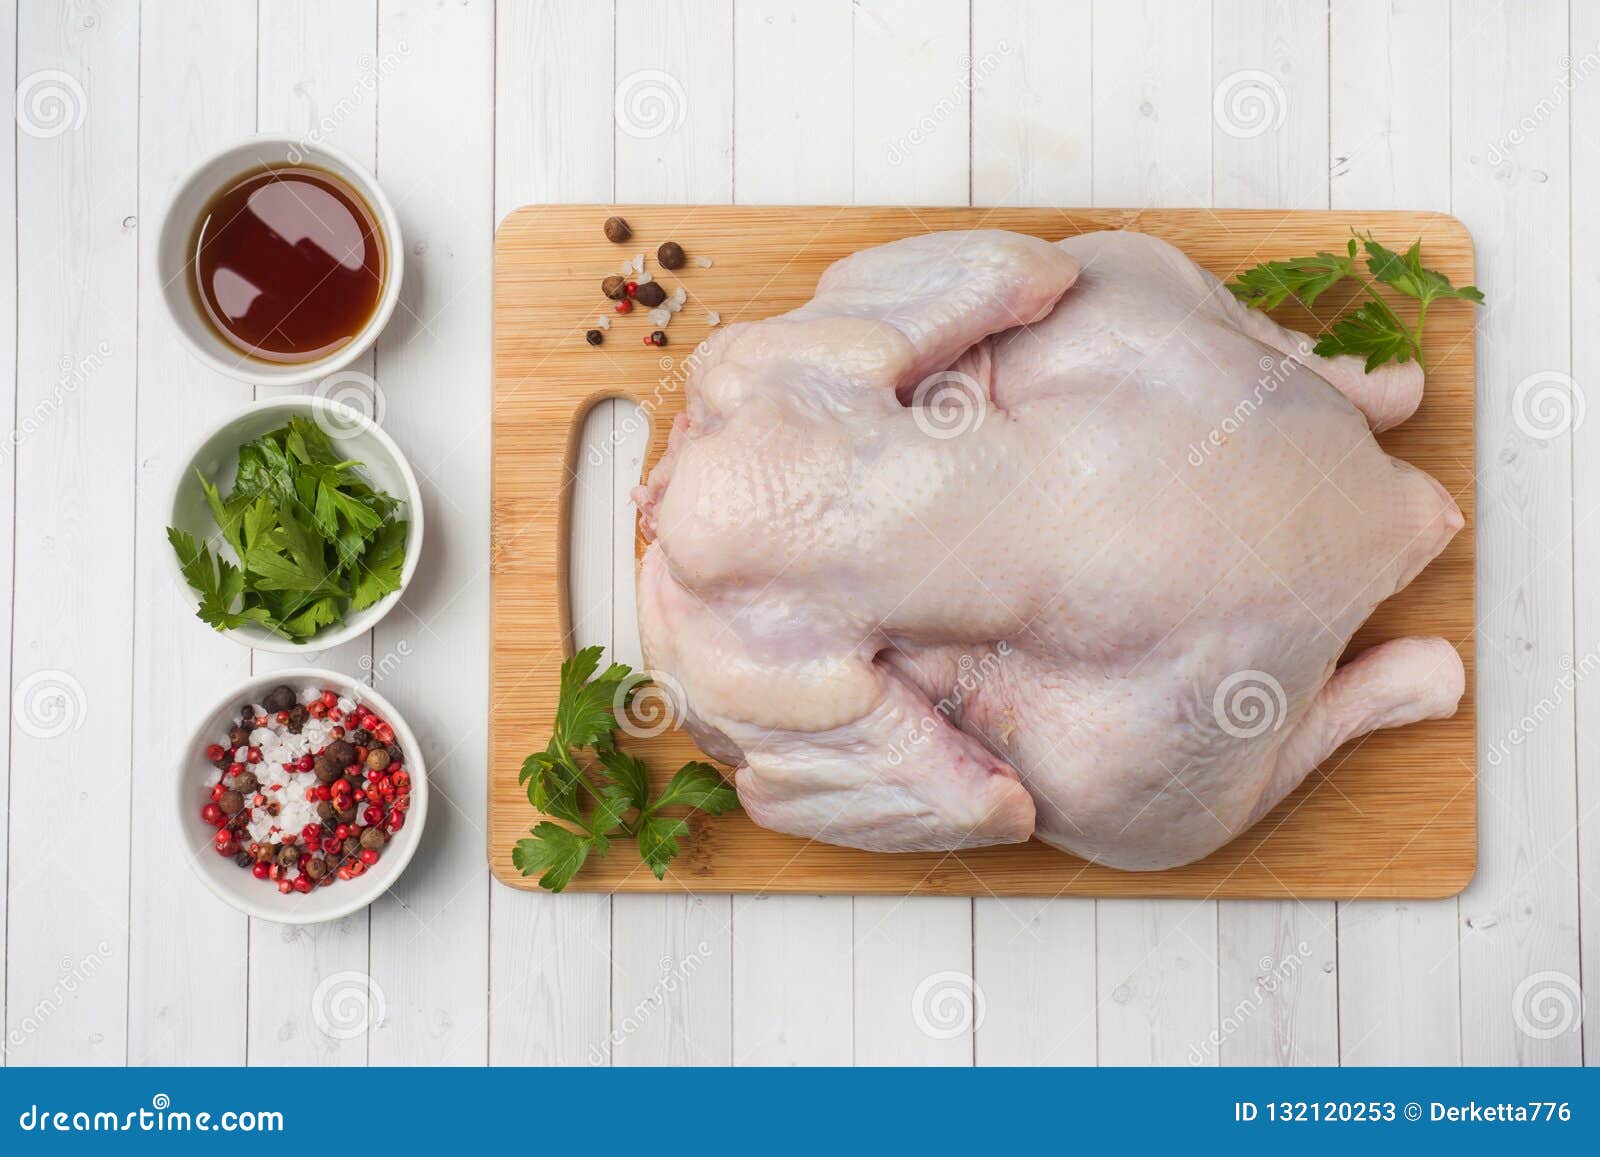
<point>301,796</point>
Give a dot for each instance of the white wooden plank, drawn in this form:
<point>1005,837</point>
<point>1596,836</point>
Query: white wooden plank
<point>1399,984</point>
<point>8,400</point>
<point>918,999</point>
<point>1035,961</point>
<point>1269,105</point>
<point>1032,122</point>
<point>72,648</point>
<point>792,110</point>
<point>316,79</point>
<point>674,142</point>
<point>1032,102</point>
<point>1519,934</point>
<point>912,76</point>
<point>1157,982</point>
<point>1585,31</point>
<point>550,956</point>
<point>1156,959</point>
<point>1389,124</point>
<point>1389,103</point>
<point>1152,103</point>
<point>430,944</point>
<point>183,939</point>
<point>792,113</point>
<point>1278,984</point>
<point>912,102</point>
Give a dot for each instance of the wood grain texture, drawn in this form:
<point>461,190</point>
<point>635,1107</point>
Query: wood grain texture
<point>1392,815</point>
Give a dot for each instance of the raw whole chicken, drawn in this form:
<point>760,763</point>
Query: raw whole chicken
<point>997,538</point>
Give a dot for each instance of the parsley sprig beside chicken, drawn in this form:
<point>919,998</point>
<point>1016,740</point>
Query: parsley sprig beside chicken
<point>1372,330</point>
<point>311,540</point>
<point>601,792</point>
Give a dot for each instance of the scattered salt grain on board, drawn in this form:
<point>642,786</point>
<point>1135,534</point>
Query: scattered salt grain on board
<point>644,278</point>
<point>602,322</point>
<point>638,262</point>
<point>660,316</point>
<point>703,262</point>
<point>713,317</point>
<point>627,269</point>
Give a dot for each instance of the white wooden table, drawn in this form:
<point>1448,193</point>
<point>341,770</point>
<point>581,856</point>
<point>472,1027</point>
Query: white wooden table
<point>114,954</point>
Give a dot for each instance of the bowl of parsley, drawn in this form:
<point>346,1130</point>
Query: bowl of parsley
<point>296,525</point>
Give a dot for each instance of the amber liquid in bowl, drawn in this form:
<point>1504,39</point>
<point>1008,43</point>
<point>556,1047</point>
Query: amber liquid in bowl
<point>287,263</point>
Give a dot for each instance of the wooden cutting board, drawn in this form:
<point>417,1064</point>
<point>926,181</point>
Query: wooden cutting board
<point>1393,815</point>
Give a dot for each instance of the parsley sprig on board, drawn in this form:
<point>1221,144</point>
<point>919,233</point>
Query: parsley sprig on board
<point>1372,330</point>
<point>311,540</point>
<point>606,793</point>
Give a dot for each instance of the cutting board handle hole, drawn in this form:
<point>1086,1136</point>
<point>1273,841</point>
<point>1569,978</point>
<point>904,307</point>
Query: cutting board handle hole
<point>607,463</point>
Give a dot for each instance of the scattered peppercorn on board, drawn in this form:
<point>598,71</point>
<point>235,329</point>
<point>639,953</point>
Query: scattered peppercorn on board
<point>1389,816</point>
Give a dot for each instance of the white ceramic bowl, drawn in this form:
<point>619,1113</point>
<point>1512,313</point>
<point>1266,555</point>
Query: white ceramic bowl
<point>235,885</point>
<point>209,178</point>
<point>355,436</point>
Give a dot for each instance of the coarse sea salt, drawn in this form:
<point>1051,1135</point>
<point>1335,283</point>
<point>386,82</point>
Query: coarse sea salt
<point>703,262</point>
<point>277,747</point>
<point>660,316</point>
<point>602,322</point>
<point>713,317</point>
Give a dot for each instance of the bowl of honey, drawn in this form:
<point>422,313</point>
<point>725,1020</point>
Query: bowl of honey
<point>280,261</point>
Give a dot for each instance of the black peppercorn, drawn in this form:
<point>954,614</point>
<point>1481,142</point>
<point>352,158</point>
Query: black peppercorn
<point>316,867</point>
<point>243,859</point>
<point>670,255</point>
<point>373,838</point>
<point>617,230</point>
<point>650,294</point>
<point>361,737</point>
<point>280,698</point>
<point>288,856</point>
<point>594,336</point>
<point>326,770</point>
<point>238,736</point>
<point>230,802</point>
<point>342,753</point>
<point>297,718</point>
<point>659,337</point>
<point>395,755</point>
<point>351,846</point>
<point>325,812</point>
<point>615,287</point>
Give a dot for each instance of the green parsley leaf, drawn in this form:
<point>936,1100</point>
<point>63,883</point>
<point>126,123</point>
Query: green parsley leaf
<point>698,785</point>
<point>554,854</point>
<point>658,842</point>
<point>560,779</point>
<point>1271,283</point>
<point>377,573</point>
<point>1405,274</point>
<point>1372,332</point>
